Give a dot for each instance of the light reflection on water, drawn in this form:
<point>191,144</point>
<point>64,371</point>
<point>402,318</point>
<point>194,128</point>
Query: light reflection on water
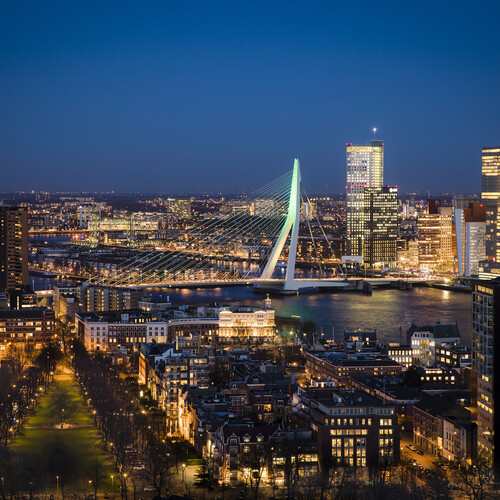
<point>388,311</point>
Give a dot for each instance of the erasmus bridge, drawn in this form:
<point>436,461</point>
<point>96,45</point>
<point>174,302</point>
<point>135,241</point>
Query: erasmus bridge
<point>247,246</point>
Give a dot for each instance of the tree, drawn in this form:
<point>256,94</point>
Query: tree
<point>253,468</point>
<point>62,404</point>
<point>205,477</point>
<point>474,478</point>
<point>63,329</point>
<point>96,472</point>
<point>159,463</point>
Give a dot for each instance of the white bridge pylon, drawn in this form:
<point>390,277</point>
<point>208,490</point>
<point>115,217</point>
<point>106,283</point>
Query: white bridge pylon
<point>292,224</point>
<point>291,227</point>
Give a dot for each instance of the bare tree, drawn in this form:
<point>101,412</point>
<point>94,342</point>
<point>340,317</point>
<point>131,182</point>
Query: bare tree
<point>62,403</point>
<point>97,474</point>
<point>159,464</point>
<point>474,478</point>
<point>253,469</point>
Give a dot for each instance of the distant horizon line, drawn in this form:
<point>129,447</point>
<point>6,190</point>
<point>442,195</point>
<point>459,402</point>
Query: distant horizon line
<point>192,194</point>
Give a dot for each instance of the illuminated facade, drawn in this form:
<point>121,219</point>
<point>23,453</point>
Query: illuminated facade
<point>485,356</point>
<point>365,169</point>
<point>470,227</point>
<point>28,329</point>
<point>236,326</point>
<point>180,207</point>
<point>13,247</point>
<point>435,239</point>
<point>380,223</point>
<point>246,324</point>
<point>490,193</point>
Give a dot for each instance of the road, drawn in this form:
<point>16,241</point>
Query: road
<point>426,459</point>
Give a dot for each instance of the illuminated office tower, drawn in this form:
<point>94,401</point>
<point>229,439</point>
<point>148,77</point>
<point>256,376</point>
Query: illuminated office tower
<point>470,229</point>
<point>490,194</point>
<point>365,169</point>
<point>13,247</point>
<point>380,226</point>
<point>180,207</point>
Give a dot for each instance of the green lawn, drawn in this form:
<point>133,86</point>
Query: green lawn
<point>73,454</point>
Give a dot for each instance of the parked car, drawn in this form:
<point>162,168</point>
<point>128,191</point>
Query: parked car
<point>419,452</point>
<point>411,447</point>
<point>150,488</point>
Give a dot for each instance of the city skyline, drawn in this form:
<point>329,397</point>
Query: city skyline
<point>132,99</point>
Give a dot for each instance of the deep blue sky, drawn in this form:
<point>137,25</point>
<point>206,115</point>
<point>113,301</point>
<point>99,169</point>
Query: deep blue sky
<point>220,96</point>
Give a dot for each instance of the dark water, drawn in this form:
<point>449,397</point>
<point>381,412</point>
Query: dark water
<point>388,311</point>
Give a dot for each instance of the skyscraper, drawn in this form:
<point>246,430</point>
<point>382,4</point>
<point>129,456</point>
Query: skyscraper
<point>380,226</point>
<point>180,207</point>
<point>435,238</point>
<point>13,247</point>
<point>485,359</point>
<point>365,169</point>
<point>491,198</point>
<point>470,229</point>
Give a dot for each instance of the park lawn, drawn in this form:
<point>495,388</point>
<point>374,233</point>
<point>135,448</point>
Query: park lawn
<point>81,445</point>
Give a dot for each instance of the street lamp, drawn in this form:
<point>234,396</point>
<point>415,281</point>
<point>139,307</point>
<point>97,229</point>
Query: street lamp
<point>112,483</point>
<point>184,474</point>
<point>57,485</point>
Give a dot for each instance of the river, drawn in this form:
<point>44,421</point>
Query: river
<point>389,311</point>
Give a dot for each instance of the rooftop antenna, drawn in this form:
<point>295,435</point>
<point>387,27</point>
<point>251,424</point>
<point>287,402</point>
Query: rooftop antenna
<point>374,132</point>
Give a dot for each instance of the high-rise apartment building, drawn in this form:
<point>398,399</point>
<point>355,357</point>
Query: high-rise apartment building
<point>435,238</point>
<point>365,169</point>
<point>470,230</point>
<point>180,207</point>
<point>13,247</point>
<point>490,193</point>
<point>485,359</point>
<point>380,226</point>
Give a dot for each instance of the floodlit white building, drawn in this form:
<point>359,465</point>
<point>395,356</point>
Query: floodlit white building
<point>247,324</point>
<point>424,339</point>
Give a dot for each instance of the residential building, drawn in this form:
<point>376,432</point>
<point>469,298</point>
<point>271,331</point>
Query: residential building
<point>435,237</point>
<point>354,428</point>
<point>436,419</point>
<point>339,366</point>
<point>13,247</point>
<point>106,331</point>
<point>402,354</point>
<point>424,339</point>
<point>485,359</point>
<point>98,298</point>
<point>239,451</point>
<point>29,329</point>
<point>470,229</point>
<point>358,340</point>
<point>180,207</point>
<point>454,355</point>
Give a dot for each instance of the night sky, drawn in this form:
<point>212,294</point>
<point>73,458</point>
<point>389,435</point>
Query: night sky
<point>221,96</point>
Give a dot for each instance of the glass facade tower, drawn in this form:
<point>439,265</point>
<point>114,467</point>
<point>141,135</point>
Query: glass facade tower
<point>490,193</point>
<point>365,169</point>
